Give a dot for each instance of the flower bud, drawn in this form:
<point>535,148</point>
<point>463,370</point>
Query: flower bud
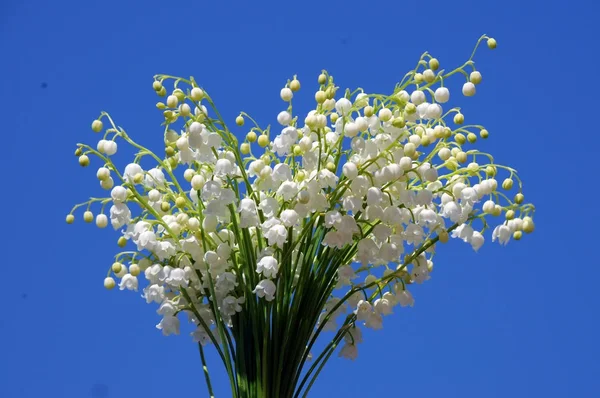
<point>101,221</point>
<point>517,235</point>
<point>442,95</point>
<point>398,122</point>
<point>472,138</point>
<point>193,224</point>
<point>169,151</point>
<point>179,94</point>
<point>507,184</point>
<point>97,126</point>
<point>385,114</point>
<point>428,75</point>
<point>134,269</point>
<point>251,136</point>
<point>368,111</point>
<point>350,170</point>
<point>468,89</point>
<point>88,216</point>
<point>162,92</point>
<point>107,183</point>
<point>180,202</point>
<point>165,206</point>
<point>489,206</point>
<point>459,118</point>
<point>117,267</point>
<point>184,110</point>
<point>490,171</point>
<point>528,225</point>
<point>434,64</point>
<point>70,218</point>
<point>154,195</point>
<point>295,85</point>
<point>484,133</point>
<point>461,157</point>
<point>172,101</point>
<point>79,151</point>
<point>122,242</point>
<point>245,148</point>
<point>473,167</point>
<point>519,198</point>
<point>409,149</point>
<point>263,140</point>
<point>320,96</point>
<point>418,77</point>
<point>497,211</point>
<point>286,94</point>
<point>510,214</point>
<point>156,85</point>
<point>109,283</point>
<point>188,174</point>
<point>475,77</point>
<point>84,161</point>
<point>444,154</point>
<point>103,173</point>
<point>239,120</point>
<point>491,43</point>
<point>196,94</point>
<point>322,78</point>
<point>460,139</point>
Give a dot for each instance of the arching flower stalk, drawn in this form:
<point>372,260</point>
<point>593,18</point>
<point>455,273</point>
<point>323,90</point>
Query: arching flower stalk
<point>324,223</point>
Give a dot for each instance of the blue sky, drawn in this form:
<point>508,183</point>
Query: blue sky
<point>516,321</point>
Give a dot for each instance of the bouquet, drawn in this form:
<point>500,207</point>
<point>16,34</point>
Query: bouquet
<point>325,222</point>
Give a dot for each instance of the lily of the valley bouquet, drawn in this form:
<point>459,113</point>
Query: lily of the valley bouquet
<point>323,223</point>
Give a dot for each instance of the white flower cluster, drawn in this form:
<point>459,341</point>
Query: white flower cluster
<point>354,197</point>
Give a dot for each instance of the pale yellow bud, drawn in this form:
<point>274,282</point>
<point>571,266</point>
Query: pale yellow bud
<point>245,148</point>
<point>528,225</point>
<point>84,161</point>
<point>88,216</point>
<point>519,198</point>
<point>70,218</point>
<point>239,120</point>
<point>263,140</point>
<point>251,136</point>
<point>109,283</point>
<point>172,101</point>
<point>116,267</point>
<point>320,96</point>
<point>475,77</point>
<point>295,85</point>
<point>180,202</point>
<point>197,94</point>
<point>134,269</point>
<point>97,126</point>
<point>459,118</point>
<point>507,184</point>
<point>434,64</point>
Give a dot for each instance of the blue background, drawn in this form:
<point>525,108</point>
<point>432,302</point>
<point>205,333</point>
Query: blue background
<point>519,321</point>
